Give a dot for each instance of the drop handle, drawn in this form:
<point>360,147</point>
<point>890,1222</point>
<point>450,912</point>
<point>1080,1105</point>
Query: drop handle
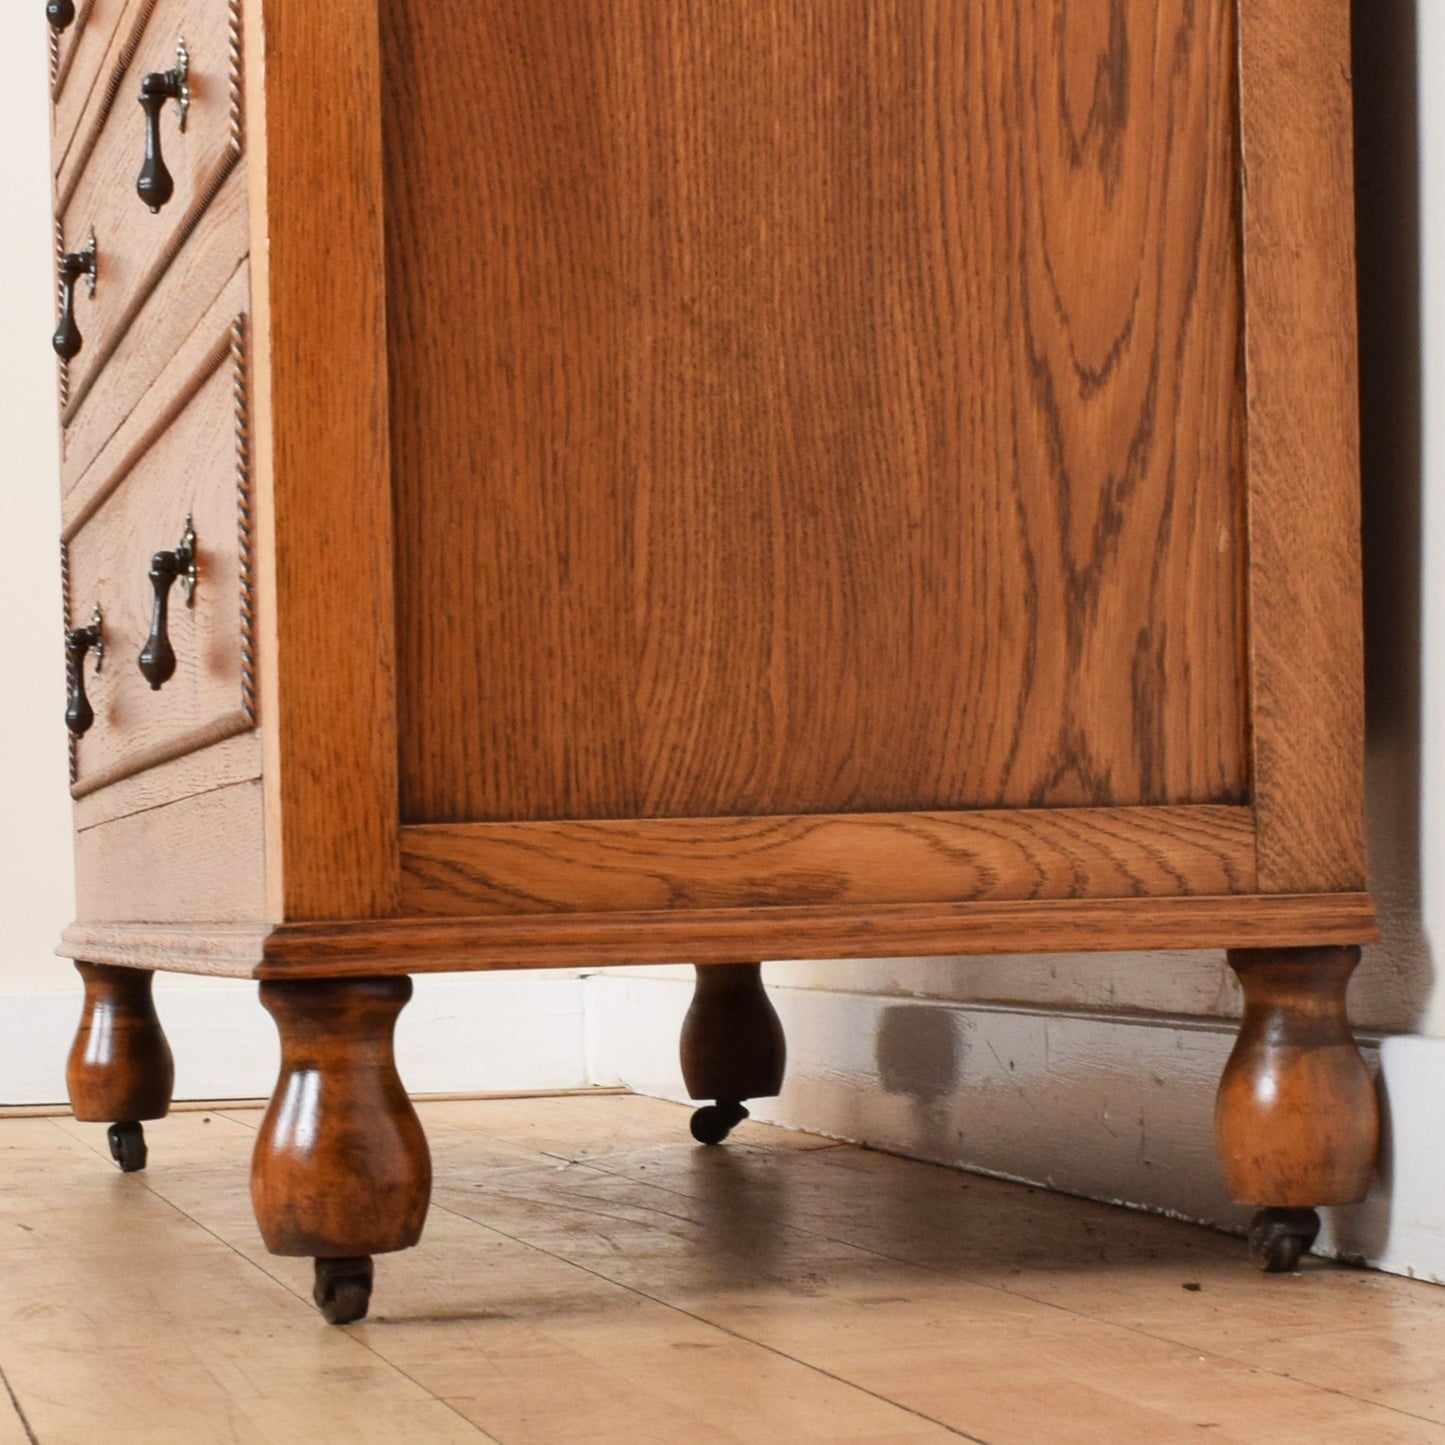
<point>155,185</point>
<point>60,14</point>
<point>75,266</point>
<point>80,642</point>
<point>157,660</point>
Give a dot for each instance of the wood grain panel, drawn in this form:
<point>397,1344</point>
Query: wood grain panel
<point>136,248</point>
<point>814,405</point>
<point>321,460</point>
<point>198,859</point>
<point>191,469</point>
<point>723,935</point>
<point>1307,671</point>
<point>603,867</point>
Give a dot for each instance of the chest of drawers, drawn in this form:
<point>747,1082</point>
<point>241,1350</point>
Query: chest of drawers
<point>810,478</point>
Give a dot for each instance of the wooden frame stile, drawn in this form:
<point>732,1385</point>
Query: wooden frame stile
<point>323,461</point>
<point>1305,629</point>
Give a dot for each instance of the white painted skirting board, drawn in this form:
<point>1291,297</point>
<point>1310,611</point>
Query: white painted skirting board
<point>459,1034</point>
<point>1108,1106</point>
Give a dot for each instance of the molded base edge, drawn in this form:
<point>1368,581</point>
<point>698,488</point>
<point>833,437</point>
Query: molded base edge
<point>723,935</point>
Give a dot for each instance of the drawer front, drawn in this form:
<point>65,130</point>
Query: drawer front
<point>78,56</point>
<point>193,464</point>
<point>95,84</point>
<point>210,266</point>
<point>135,247</point>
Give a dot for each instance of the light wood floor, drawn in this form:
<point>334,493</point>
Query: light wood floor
<point>590,1275</point>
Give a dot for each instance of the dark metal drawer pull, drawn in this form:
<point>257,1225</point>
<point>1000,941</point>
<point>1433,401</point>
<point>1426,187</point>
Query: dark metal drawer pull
<point>79,643</point>
<point>60,14</point>
<point>157,660</point>
<point>73,266</point>
<point>155,185</point>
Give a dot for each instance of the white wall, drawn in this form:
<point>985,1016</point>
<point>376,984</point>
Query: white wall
<point>35,856</point>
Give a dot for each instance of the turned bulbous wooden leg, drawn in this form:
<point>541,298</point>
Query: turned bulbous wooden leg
<point>732,1047</point>
<point>341,1169</point>
<point>1297,1120</point>
<point>120,1069</point>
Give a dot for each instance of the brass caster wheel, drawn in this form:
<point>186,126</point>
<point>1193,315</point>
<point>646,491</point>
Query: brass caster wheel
<point>714,1122</point>
<point>127,1146</point>
<point>343,1289</point>
<point>1278,1237</point>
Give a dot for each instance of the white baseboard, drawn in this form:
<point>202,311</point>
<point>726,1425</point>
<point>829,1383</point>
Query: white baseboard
<point>1111,1107</point>
<point>459,1034</point>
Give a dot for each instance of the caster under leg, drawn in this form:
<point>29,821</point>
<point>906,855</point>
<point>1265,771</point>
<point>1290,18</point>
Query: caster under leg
<point>127,1146</point>
<point>714,1122</point>
<point>1296,1121</point>
<point>1278,1237</point>
<point>343,1289</point>
<point>120,1070</point>
<point>341,1170</point>
<point>732,1047</point>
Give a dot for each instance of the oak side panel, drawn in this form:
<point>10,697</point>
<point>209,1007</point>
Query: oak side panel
<point>604,867</point>
<point>724,935</point>
<point>814,405</point>
<point>198,859</point>
<point>1306,657</point>
<point>322,459</point>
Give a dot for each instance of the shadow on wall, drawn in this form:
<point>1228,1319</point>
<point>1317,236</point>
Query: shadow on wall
<point>919,1055</point>
<point>1395,984</point>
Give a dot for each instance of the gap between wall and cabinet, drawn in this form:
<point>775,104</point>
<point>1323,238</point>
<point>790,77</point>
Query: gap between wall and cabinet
<point>1109,1106</point>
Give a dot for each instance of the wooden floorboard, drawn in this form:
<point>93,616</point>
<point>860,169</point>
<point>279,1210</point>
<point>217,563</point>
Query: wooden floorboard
<point>590,1275</point>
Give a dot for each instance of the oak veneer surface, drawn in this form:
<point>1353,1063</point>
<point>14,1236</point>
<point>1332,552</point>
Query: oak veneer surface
<point>1306,637</point>
<point>321,460</point>
<point>813,406</point>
